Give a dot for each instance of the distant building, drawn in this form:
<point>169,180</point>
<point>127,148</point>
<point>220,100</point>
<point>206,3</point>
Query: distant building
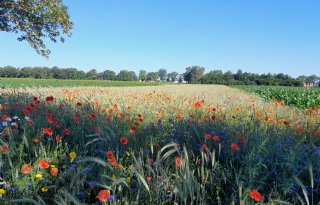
<point>310,85</point>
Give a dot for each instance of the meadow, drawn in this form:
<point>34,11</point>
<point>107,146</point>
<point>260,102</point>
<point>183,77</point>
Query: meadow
<point>38,83</point>
<point>169,144</point>
<point>303,98</point>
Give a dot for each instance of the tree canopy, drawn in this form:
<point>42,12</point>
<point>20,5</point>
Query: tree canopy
<point>35,20</point>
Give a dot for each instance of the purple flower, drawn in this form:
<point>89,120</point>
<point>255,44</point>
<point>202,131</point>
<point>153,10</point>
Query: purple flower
<point>91,184</point>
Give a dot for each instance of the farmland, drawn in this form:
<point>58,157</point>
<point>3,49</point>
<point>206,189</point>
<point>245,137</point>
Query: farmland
<point>38,83</point>
<point>183,144</point>
<point>303,98</point>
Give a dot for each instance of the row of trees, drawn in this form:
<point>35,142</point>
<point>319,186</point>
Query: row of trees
<point>73,73</point>
<point>193,74</point>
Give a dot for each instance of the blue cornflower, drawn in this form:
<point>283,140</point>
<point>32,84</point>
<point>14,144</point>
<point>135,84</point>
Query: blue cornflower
<point>111,198</point>
<point>88,169</point>
<point>29,185</point>
<point>91,184</point>
<point>73,166</point>
<point>80,194</point>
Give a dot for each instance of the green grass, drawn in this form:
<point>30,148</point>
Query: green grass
<point>304,98</point>
<point>30,82</point>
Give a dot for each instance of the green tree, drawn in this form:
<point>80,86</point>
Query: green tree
<point>142,75</point>
<point>109,75</point>
<point>193,74</point>
<point>36,20</point>
<point>172,77</point>
<point>162,74</point>
<point>92,74</point>
<point>152,76</point>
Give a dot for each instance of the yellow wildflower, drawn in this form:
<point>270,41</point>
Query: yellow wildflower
<point>44,189</point>
<point>39,176</point>
<point>72,155</point>
<point>128,154</point>
<point>2,192</point>
<point>122,167</point>
<point>114,177</point>
<point>128,180</point>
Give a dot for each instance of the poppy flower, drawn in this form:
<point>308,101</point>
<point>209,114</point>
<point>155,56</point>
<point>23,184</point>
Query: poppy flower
<point>204,147</point>
<point>79,104</point>
<point>91,115</point>
<point>178,162</point>
<point>124,140</point>
<point>149,178</point>
<point>34,98</point>
<point>47,131</point>
<point>58,138</point>
<point>241,139</point>
<point>207,136</point>
<point>43,164</point>
<point>49,99</point>
<point>132,130</point>
<point>66,131</point>
<point>254,194</point>
<point>213,117</point>
<point>25,169</point>
<point>197,105</point>
<point>103,195</point>
<point>216,138</point>
<point>109,154</point>
<point>4,148</point>
<point>36,140</point>
<point>234,146</point>
<point>54,171</point>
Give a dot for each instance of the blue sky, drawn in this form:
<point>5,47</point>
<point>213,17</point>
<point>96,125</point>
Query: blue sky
<point>255,36</point>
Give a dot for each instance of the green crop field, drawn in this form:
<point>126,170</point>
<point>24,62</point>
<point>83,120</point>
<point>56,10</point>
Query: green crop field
<point>30,82</point>
<point>304,98</point>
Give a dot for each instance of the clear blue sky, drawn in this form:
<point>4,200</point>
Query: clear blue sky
<point>257,36</point>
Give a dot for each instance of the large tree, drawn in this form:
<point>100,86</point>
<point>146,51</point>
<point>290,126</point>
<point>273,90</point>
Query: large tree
<point>162,74</point>
<point>193,74</point>
<point>35,20</point>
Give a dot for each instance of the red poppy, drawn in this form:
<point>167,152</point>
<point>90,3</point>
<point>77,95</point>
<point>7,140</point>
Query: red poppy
<point>132,130</point>
<point>31,106</point>
<point>91,115</point>
<point>57,124</point>
<point>197,105</point>
<point>30,122</point>
<point>254,194</point>
<point>150,161</point>
<point>47,131</point>
<point>25,169</point>
<point>103,195</point>
<point>149,178</point>
<point>204,147</point>
<point>213,117</point>
<point>109,154</point>
<point>124,140</point>
<point>216,138</point>
<point>58,138</point>
<point>34,98</point>
<point>207,136</point>
<point>234,146</point>
<point>241,139</point>
<point>50,120</point>
<point>66,131</point>
<point>43,164</point>
<point>49,99</point>
<point>178,162</point>
<point>54,171</point>
<point>4,117</point>
<point>79,104</point>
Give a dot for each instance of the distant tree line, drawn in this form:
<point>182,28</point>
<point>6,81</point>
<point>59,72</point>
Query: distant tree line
<point>193,74</point>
